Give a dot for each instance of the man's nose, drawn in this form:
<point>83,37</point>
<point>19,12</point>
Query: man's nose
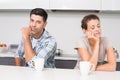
<point>34,24</point>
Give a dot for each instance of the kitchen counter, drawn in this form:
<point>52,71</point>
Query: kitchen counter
<point>61,57</point>
<point>26,73</point>
<point>64,57</point>
<point>67,57</point>
<point>64,61</point>
<point>7,54</point>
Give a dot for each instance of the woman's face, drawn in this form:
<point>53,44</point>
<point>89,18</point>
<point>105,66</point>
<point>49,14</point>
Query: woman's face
<point>94,27</point>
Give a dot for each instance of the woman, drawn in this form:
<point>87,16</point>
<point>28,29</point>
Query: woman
<point>93,47</point>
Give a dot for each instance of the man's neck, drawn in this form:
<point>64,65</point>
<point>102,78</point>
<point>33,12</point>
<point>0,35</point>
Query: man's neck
<point>37,36</point>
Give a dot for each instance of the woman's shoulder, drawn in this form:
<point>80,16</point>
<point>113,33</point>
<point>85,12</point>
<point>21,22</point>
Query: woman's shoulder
<point>106,42</point>
<point>82,40</point>
<point>104,39</point>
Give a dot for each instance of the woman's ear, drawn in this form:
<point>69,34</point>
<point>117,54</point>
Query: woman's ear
<point>84,31</point>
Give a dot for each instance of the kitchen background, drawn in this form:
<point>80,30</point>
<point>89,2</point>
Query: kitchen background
<point>63,23</point>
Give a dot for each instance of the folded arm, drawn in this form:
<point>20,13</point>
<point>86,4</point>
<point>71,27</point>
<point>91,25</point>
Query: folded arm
<point>111,62</point>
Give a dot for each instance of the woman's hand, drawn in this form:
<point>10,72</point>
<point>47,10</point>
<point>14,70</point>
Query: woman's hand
<point>92,38</point>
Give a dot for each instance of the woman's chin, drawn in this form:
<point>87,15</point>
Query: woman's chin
<point>98,36</point>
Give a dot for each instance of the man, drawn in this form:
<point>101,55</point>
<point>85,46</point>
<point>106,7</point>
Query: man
<point>36,41</point>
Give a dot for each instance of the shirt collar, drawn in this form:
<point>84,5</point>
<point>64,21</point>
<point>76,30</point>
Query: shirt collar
<point>44,35</point>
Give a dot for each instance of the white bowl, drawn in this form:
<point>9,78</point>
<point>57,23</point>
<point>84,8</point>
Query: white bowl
<point>3,49</point>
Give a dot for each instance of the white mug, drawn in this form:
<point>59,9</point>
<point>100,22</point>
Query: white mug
<point>39,64</point>
<point>85,67</point>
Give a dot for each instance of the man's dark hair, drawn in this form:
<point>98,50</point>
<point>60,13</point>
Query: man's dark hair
<point>86,19</point>
<point>40,12</point>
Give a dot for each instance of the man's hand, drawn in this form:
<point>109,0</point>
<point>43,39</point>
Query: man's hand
<point>26,32</point>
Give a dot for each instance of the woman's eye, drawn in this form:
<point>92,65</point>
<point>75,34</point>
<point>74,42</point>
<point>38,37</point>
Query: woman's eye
<point>92,28</point>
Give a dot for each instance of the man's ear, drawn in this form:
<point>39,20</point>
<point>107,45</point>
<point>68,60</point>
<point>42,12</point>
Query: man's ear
<point>45,24</point>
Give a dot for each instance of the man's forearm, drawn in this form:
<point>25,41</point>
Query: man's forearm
<point>29,53</point>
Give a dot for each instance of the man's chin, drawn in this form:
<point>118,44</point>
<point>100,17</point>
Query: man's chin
<point>32,34</point>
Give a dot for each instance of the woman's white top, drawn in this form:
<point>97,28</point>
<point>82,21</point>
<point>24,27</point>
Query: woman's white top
<point>104,45</point>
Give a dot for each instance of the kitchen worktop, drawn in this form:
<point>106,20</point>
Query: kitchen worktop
<point>27,73</point>
<point>63,61</point>
<point>62,57</point>
<point>7,54</point>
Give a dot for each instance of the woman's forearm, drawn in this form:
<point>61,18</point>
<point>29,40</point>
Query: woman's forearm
<point>107,67</point>
<point>94,56</point>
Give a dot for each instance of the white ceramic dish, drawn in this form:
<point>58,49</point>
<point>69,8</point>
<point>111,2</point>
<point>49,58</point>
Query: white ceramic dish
<point>3,49</point>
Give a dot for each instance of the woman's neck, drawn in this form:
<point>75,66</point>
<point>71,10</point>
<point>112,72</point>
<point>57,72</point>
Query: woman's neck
<point>93,43</point>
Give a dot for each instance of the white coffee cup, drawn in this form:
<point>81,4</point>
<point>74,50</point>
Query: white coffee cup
<point>39,64</point>
<point>85,67</point>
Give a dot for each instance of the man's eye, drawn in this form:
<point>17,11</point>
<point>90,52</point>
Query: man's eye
<point>98,26</point>
<point>31,20</point>
<point>38,22</point>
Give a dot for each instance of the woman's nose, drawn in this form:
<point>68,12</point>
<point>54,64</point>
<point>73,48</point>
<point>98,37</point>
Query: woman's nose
<point>98,29</point>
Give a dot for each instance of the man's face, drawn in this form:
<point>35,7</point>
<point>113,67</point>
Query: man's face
<point>36,24</point>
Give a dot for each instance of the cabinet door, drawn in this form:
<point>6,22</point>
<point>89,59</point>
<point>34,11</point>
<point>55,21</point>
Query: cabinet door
<point>24,4</point>
<point>7,61</point>
<point>66,64</point>
<point>118,66</point>
<point>117,5</point>
<point>75,4</point>
<point>111,5</point>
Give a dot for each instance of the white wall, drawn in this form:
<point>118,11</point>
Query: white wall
<point>65,26</point>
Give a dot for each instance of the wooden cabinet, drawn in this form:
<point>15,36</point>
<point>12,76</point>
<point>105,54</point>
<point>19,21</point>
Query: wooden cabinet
<point>59,63</point>
<point>65,64</point>
<point>118,66</point>
<point>7,61</point>
<point>110,5</point>
<point>75,4</point>
<point>24,4</point>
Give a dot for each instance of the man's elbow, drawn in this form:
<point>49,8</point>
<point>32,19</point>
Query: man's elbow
<point>18,62</point>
